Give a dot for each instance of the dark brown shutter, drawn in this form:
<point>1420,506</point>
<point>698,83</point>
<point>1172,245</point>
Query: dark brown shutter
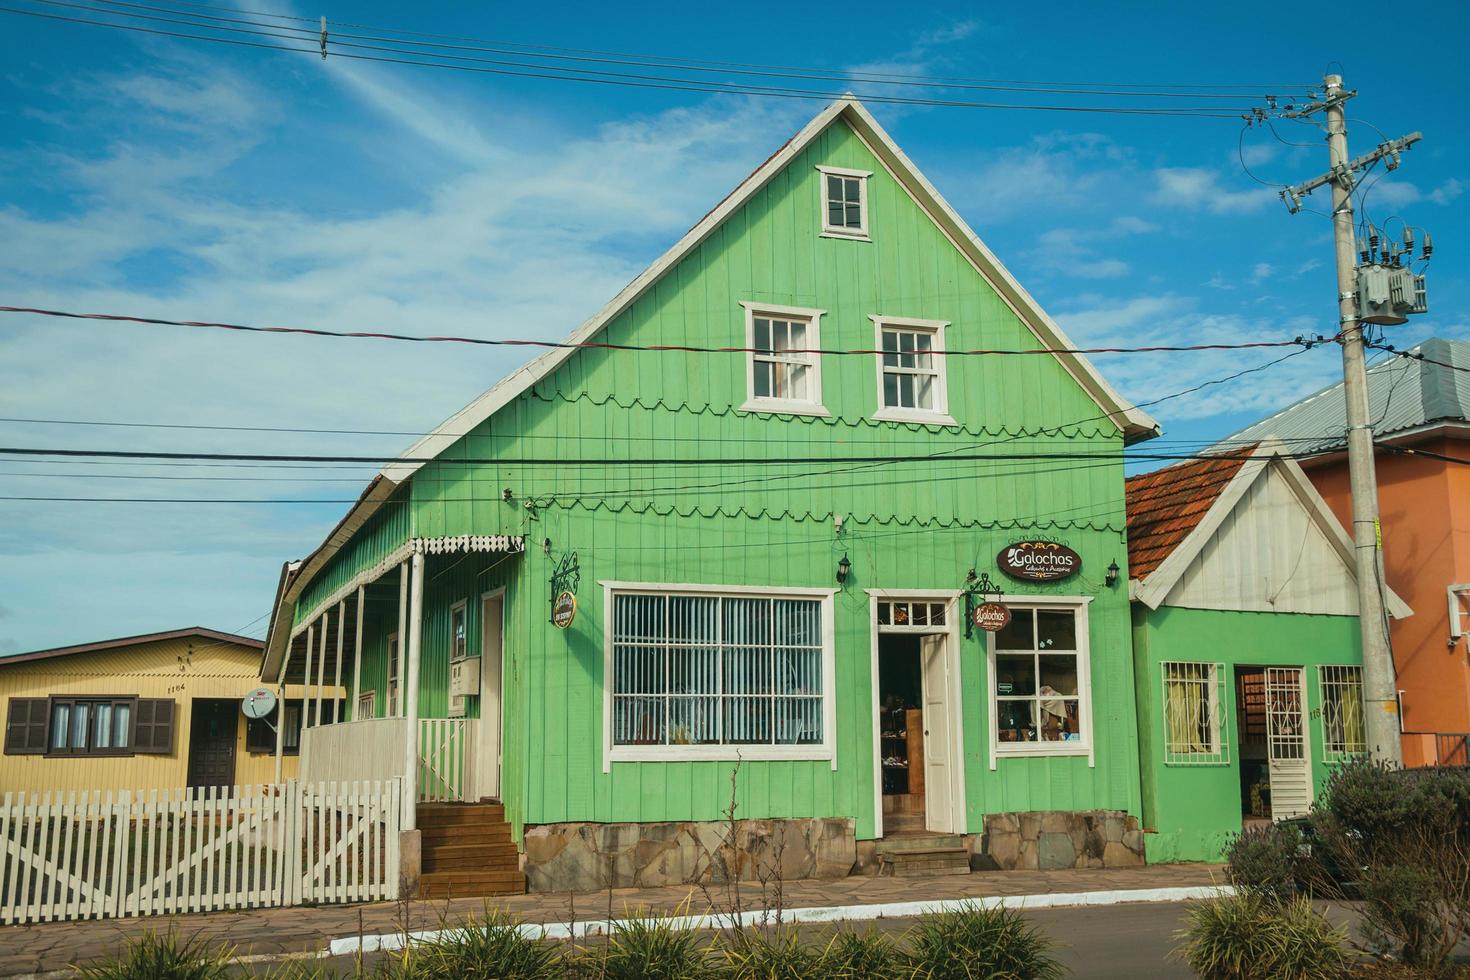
<point>25,726</point>
<point>153,725</point>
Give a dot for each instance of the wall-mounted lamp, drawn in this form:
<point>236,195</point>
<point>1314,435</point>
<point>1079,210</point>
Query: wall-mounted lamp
<point>1112,577</point>
<point>844,568</point>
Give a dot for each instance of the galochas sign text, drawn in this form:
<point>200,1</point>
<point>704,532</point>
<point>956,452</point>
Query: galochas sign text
<point>1038,561</point>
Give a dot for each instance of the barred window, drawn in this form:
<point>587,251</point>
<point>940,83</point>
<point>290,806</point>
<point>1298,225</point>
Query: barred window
<point>1194,732</point>
<point>706,670</point>
<point>1342,711</point>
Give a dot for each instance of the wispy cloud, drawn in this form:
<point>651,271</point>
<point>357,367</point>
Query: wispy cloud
<point>1084,253</point>
<point>1202,189</point>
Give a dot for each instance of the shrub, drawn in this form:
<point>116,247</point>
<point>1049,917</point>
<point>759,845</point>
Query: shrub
<point>492,948</point>
<point>167,957</point>
<point>855,955</point>
<point>973,941</point>
<point>781,955</point>
<point>1405,835</point>
<point>1268,860</point>
<point>1253,936</point>
<point>649,947</point>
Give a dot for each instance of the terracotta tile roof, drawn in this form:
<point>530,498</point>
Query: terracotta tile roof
<point>1165,505</point>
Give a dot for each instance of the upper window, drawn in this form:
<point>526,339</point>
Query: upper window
<point>1343,732</point>
<point>911,384</point>
<point>784,370</point>
<point>844,202</point>
<point>1040,688</point>
<point>1193,717</point>
<point>458,631</point>
<point>716,674</point>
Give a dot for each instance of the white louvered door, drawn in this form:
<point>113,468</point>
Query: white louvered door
<point>1286,741</point>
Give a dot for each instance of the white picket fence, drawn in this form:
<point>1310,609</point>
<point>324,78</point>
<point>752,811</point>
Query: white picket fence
<point>446,759</point>
<point>103,854</point>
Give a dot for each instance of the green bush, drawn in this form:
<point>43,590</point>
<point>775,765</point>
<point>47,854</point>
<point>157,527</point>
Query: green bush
<point>167,957</point>
<point>1268,860</point>
<point>781,955</point>
<point>996,943</point>
<point>855,955</point>
<point>1253,936</point>
<point>492,948</point>
<point>649,947</point>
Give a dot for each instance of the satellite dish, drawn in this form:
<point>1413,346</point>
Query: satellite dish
<point>258,703</point>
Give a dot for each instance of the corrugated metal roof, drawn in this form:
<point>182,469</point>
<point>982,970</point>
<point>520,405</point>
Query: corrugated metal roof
<point>188,632</point>
<point>1403,394</point>
<point>1167,504</point>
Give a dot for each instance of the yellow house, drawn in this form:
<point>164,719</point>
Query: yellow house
<point>158,711</point>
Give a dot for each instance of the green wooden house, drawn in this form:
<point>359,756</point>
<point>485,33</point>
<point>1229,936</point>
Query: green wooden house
<point>1246,646</point>
<point>622,588</point>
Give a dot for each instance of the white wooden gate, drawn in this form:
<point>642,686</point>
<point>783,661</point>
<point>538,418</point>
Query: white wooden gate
<point>1289,756</point>
<point>104,854</point>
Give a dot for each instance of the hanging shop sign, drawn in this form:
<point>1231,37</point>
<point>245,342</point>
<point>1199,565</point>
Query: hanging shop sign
<point>563,610</point>
<point>1039,561</point>
<point>992,616</point>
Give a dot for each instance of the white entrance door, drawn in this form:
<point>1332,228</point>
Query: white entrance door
<point>938,764</point>
<point>492,620</point>
<point>1288,751</point>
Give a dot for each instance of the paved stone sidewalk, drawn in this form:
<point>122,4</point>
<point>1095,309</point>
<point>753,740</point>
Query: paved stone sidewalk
<point>56,946</point>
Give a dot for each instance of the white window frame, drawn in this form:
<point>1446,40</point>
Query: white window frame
<point>939,414</point>
<point>1079,605</point>
<point>460,608</point>
<point>393,653</point>
<point>829,230</point>
<point>1219,750</point>
<point>825,751</point>
<point>1328,676</point>
<point>368,698</point>
<point>787,406</point>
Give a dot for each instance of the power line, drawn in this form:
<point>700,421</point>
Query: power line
<point>1298,341</point>
<point>399,36</point>
<point>606,77</point>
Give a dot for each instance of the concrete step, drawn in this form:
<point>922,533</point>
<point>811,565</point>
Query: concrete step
<point>923,863</point>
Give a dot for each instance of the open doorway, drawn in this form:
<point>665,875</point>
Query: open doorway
<point>915,680</point>
<point>1275,763</point>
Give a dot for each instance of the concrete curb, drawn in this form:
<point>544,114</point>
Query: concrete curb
<point>838,913</point>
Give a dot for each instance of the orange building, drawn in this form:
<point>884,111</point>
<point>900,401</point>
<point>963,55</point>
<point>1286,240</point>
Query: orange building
<point>1420,407</point>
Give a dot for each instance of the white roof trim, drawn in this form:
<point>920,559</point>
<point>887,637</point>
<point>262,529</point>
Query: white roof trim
<point>1153,590</point>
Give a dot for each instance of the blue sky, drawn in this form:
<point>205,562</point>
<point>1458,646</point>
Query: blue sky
<point>170,178</point>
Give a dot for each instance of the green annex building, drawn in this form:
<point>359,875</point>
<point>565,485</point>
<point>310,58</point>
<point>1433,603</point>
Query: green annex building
<point>619,576</point>
<point>1246,646</point>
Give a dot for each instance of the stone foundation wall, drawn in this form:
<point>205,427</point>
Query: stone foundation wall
<point>1058,839</point>
<point>593,856</point>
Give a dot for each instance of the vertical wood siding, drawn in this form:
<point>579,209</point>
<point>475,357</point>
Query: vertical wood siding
<point>388,528</point>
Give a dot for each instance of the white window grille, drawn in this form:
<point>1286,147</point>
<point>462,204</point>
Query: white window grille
<point>367,705</point>
<point>394,709</point>
<point>1041,699</point>
<point>911,381</point>
<point>1194,716</point>
<point>844,202</point>
<point>896,616</point>
<point>707,674</point>
<point>1343,727</point>
<point>784,370</point>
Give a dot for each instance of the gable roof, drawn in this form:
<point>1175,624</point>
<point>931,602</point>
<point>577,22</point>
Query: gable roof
<point>188,632</point>
<point>1404,395</point>
<point>1173,513</point>
<point>1136,424</point>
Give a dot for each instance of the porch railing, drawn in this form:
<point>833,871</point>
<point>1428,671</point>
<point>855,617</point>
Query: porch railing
<point>373,749</point>
<point>1452,749</point>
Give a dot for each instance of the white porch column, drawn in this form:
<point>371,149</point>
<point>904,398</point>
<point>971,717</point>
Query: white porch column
<point>337,673</point>
<point>281,710</point>
<point>306,678</point>
<point>411,694</point>
<point>321,664</point>
<point>357,655</point>
<point>397,710</point>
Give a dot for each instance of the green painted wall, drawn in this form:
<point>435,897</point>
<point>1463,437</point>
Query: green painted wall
<point>918,525</point>
<point>1191,811</point>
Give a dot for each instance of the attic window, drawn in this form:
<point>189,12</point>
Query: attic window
<point>783,370</point>
<point>844,202</point>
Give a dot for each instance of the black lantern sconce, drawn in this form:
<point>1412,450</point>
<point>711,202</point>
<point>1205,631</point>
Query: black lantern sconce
<point>844,569</point>
<point>1112,577</point>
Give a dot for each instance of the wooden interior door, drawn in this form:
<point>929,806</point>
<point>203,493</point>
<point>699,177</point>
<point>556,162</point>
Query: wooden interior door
<point>938,799</point>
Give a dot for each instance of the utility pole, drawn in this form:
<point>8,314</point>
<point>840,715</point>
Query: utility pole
<point>1380,688</point>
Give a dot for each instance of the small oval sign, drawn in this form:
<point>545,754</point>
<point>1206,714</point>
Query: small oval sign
<point>564,610</point>
<point>991,616</point>
<point>1039,561</point>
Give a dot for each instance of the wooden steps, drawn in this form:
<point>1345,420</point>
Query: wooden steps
<point>467,852</point>
<point>923,855</point>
